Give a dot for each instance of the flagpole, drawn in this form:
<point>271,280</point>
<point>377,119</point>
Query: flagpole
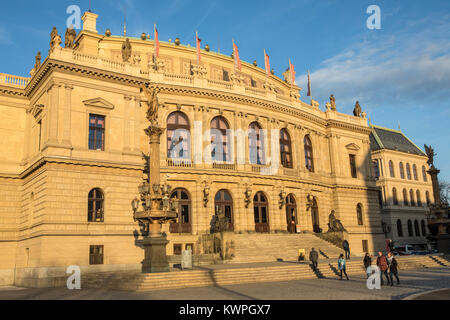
<point>196,45</point>
<point>265,63</point>
<point>290,69</point>
<point>154,35</point>
<point>234,57</point>
<point>309,87</point>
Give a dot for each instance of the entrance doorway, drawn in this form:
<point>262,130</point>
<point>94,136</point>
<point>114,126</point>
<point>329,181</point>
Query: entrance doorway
<point>260,208</point>
<point>291,214</point>
<point>224,203</point>
<point>315,217</point>
<point>183,225</point>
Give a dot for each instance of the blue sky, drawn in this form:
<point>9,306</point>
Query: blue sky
<point>400,74</point>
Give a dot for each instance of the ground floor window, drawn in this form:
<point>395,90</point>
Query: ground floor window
<point>96,254</point>
<point>365,246</point>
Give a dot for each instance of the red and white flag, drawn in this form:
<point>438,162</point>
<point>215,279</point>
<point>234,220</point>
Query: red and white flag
<point>198,40</point>
<point>267,62</point>
<point>156,43</point>
<point>309,85</point>
<point>237,60</point>
<point>291,67</point>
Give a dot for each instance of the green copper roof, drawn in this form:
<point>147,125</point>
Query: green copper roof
<point>384,138</point>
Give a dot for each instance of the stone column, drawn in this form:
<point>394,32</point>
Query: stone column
<point>126,123</point>
<point>53,115</point>
<point>67,125</point>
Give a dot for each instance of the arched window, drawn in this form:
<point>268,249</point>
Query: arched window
<point>223,203</point>
<point>178,136</point>
<point>256,144</point>
<point>391,169</point>
<point>411,195</point>
<point>424,174</point>
<point>399,228</point>
<point>183,225</point>
<point>394,196</point>
<point>376,169</point>
<point>291,213</point>
<point>261,212</point>
<point>96,202</point>
<point>309,160</point>
<point>416,228</point>
<point>408,171</point>
<point>427,196</point>
<point>423,227</point>
<point>415,172</point>
<point>410,229</point>
<point>359,214</point>
<point>402,170</point>
<point>405,197</point>
<point>285,149</point>
<point>419,201</point>
<point>220,139</point>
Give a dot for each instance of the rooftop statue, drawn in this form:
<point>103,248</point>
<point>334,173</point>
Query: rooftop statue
<point>333,102</point>
<point>357,111</point>
<point>430,154</point>
<point>71,34</point>
<point>55,38</point>
<point>37,63</point>
<point>126,50</point>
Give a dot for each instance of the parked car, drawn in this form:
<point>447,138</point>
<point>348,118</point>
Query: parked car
<point>404,250</point>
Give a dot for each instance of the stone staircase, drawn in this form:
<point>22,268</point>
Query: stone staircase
<point>275,247</point>
<point>219,275</point>
<point>197,278</point>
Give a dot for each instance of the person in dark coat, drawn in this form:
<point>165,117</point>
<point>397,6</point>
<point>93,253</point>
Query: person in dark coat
<point>367,262</point>
<point>393,268</point>
<point>346,247</point>
<point>382,263</point>
<point>313,257</point>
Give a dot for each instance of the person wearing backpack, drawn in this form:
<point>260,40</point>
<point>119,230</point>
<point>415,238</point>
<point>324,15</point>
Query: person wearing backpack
<point>382,263</point>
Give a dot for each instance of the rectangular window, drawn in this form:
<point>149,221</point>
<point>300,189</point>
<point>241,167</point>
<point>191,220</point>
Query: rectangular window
<point>96,255</point>
<point>96,132</point>
<point>226,76</point>
<point>177,249</point>
<point>365,246</point>
<point>352,158</point>
<point>253,83</point>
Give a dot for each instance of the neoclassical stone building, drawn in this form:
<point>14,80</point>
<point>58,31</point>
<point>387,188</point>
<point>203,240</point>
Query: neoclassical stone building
<point>400,168</point>
<point>72,138</point>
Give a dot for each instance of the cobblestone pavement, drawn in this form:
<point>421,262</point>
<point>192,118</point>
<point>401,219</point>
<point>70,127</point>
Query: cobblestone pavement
<point>412,282</point>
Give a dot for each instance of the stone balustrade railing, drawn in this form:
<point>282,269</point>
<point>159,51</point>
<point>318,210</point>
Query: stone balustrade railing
<point>13,81</point>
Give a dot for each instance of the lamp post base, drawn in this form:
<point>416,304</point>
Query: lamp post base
<point>155,254</point>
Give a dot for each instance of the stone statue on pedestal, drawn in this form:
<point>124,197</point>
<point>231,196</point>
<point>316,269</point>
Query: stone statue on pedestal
<point>126,50</point>
<point>152,102</point>
<point>333,102</point>
<point>430,154</point>
<point>71,34</point>
<point>55,39</point>
<point>357,111</point>
<point>334,225</point>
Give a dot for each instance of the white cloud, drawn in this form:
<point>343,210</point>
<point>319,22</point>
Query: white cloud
<point>400,69</point>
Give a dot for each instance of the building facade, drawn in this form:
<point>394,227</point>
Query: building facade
<point>72,139</point>
<point>400,168</point>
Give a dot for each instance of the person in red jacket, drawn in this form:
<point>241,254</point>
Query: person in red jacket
<point>382,263</point>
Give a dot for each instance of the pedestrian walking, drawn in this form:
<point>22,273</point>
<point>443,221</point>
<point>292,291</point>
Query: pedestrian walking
<point>314,257</point>
<point>342,265</point>
<point>393,268</point>
<point>346,247</point>
<point>367,263</point>
<point>382,263</point>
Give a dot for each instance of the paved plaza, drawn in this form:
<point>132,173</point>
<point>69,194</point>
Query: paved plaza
<point>412,284</point>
